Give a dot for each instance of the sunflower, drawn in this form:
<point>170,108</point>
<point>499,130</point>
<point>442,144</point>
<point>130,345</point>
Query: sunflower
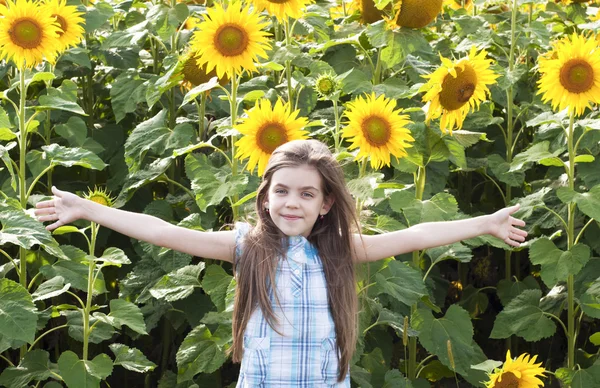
<point>265,129</point>
<point>230,40</point>
<point>571,74</point>
<point>28,34</point>
<point>416,13</point>
<point>368,12</point>
<point>70,20</point>
<point>326,85</point>
<point>457,87</point>
<point>282,9</point>
<point>193,75</point>
<point>377,128</point>
<point>521,373</point>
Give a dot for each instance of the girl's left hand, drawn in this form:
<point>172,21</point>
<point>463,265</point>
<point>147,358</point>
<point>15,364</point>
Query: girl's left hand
<point>504,226</point>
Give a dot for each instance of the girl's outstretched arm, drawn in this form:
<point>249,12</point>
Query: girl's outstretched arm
<point>500,224</point>
<point>66,207</point>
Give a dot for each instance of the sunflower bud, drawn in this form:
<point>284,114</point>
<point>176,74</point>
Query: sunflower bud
<point>326,85</point>
<point>100,196</point>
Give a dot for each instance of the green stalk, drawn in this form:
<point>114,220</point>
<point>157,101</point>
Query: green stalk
<point>377,74</point>
<point>234,161</point>
<point>22,179</point>
<point>571,239</point>
<point>419,177</point>
<point>201,114</point>
<point>336,134</point>
<point>90,289</point>
<point>288,63</point>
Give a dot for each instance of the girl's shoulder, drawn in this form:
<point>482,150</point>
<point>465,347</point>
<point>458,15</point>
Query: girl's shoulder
<point>241,230</point>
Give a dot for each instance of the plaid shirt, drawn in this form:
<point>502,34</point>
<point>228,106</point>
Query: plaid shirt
<point>305,354</point>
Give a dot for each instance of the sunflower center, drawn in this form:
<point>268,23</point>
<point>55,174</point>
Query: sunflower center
<point>26,33</point>
<point>376,130</point>
<point>278,1</point>
<point>63,24</point>
<point>456,92</point>
<point>99,199</point>
<point>231,40</point>
<point>325,86</point>
<point>509,380</point>
<point>271,136</point>
<point>577,76</point>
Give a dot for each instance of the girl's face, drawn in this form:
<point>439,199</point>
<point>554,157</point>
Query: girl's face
<point>296,199</point>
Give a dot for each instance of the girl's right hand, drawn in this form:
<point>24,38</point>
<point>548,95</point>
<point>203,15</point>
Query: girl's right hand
<point>64,208</point>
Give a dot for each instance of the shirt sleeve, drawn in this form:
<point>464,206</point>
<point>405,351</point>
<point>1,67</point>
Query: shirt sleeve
<point>241,229</point>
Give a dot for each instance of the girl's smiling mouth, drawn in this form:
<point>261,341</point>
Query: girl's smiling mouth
<point>290,217</point>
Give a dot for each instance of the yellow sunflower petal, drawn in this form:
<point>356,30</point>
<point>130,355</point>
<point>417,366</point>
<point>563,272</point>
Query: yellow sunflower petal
<point>27,34</point>
<point>266,128</point>
<point>282,9</point>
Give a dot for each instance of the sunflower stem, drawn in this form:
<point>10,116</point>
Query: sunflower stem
<point>201,116</point>
<point>419,177</point>
<point>571,239</point>
<point>234,160</point>
<point>22,178</point>
<point>336,134</point>
<point>288,64</point>
<point>90,289</point>
<point>377,73</point>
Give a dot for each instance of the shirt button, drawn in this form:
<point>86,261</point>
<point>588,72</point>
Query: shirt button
<point>297,271</point>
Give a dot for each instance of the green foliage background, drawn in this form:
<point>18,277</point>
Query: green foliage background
<point>112,113</point>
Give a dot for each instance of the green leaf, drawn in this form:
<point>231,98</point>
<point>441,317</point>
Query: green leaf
<point>149,135</point>
<point>17,312</point>
<point>97,15</point>
<point>113,256</point>
<point>441,207</point>
<point>585,378</point>
<point>128,314</point>
<point>78,373</point>
<point>401,282</point>
<point>376,365</point>
<point>595,338</point>
<point>508,290</point>
<point>51,288</point>
<point>74,131</point>
<point>395,379</point>
<point>211,185</point>
<point>5,156</point>
<point>19,228</point>
<point>178,284</point>
<point>501,170</point>
<point>131,359</point>
<point>537,153</point>
<point>524,318</point>
<point>198,90</point>
<point>557,265</point>
<point>456,327</point>
<point>34,366</point>
<point>588,203</point>
<point>215,283</point>
<point>199,353</point>
<point>102,330</point>
<point>127,91</point>
<point>456,251</point>
<point>68,157</point>
<point>63,98</point>
<point>74,273</point>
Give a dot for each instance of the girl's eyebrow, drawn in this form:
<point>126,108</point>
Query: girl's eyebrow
<point>301,188</point>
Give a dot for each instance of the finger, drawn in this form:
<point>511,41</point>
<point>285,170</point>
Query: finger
<point>54,225</point>
<point>516,221</point>
<point>48,203</point>
<point>514,208</point>
<point>511,242</point>
<point>56,191</point>
<point>49,217</point>
<point>44,211</point>
<point>519,232</point>
<point>516,237</point>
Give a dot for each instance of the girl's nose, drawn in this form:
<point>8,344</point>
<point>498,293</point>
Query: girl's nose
<point>291,202</point>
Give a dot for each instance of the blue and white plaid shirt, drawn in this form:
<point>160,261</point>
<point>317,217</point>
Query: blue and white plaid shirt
<point>304,355</point>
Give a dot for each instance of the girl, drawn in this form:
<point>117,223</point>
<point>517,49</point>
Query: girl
<point>295,311</point>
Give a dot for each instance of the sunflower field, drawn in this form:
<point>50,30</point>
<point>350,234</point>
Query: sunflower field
<point>436,109</point>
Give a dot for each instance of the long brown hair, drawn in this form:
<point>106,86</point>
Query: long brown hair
<point>331,236</point>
